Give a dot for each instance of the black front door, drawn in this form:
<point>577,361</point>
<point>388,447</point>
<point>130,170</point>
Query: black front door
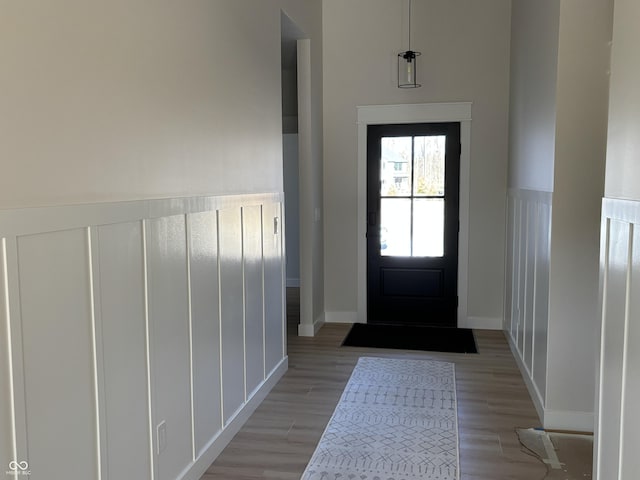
<point>413,175</point>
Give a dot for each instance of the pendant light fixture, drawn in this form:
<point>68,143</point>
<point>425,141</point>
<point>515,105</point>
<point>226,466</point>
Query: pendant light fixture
<point>408,62</point>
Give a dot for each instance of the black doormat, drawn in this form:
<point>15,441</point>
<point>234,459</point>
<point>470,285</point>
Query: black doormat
<point>435,339</point>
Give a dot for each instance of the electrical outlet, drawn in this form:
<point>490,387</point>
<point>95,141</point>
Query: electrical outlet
<point>161,436</point>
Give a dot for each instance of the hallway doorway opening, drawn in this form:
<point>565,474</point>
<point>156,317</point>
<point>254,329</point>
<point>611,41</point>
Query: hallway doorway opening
<point>302,228</point>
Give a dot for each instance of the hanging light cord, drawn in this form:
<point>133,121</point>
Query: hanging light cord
<point>409,24</point>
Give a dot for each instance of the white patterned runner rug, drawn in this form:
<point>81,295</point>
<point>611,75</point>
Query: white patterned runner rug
<point>396,420</point>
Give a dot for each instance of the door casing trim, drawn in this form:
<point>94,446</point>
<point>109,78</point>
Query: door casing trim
<point>416,113</point>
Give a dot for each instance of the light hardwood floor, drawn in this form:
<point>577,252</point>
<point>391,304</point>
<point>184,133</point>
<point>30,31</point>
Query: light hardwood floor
<point>280,437</point>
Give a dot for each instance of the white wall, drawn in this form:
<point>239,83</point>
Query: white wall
<point>623,145</point>
<point>532,132</point>
<point>617,439</point>
<point>126,101</point>
<point>551,300</point>
<point>465,57</point>
<point>532,116</point>
<point>581,130</point>
<point>290,33</point>
<point>292,215</point>
<point>140,338</point>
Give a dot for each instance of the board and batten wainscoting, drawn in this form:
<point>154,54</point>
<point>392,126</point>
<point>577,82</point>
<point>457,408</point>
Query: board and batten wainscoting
<point>617,435</point>
<point>527,287</point>
<point>137,337</point>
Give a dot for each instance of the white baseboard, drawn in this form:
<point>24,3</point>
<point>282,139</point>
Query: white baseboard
<point>569,420</point>
<point>483,323</point>
<point>293,282</point>
<point>200,466</point>
<point>552,419</point>
<point>307,330</point>
<point>341,317</point>
<point>536,397</point>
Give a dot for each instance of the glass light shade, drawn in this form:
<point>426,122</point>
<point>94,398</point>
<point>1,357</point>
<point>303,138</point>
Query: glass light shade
<point>407,69</point>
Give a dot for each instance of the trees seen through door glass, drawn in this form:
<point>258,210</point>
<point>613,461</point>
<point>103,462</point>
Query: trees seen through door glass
<point>412,194</point>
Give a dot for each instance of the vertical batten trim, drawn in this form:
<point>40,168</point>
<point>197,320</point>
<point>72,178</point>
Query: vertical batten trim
<point>516,272</point>
<point>187,225</point>
<point>519,289</point>
<point>243,260</point>
<point>514,290</point>
<point>527,266</point>
<point>97,354</point>
<point>264,307</point>
<point>547,248</point>
<point>625,348</point>
<point>222,422</point>
<point>10,367</point>
<point>147,327</point>
<point>283,275</point>
<point>536,235</point>
<point>14,322</point>
<point>603,332</point>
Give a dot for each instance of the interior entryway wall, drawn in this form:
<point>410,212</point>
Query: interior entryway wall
<point>148,147</point>
<point>558,128</point>
<point>465,57</point>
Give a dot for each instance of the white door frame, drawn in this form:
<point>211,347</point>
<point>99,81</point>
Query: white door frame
<point>307,326</point>
<point>415,113</point>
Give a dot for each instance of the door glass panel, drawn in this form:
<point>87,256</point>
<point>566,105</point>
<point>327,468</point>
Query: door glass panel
<point>395,227</point>
<point>395,167</point>
<point>428,227</point>
<point>412,168</point>
<point>429,165</point>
